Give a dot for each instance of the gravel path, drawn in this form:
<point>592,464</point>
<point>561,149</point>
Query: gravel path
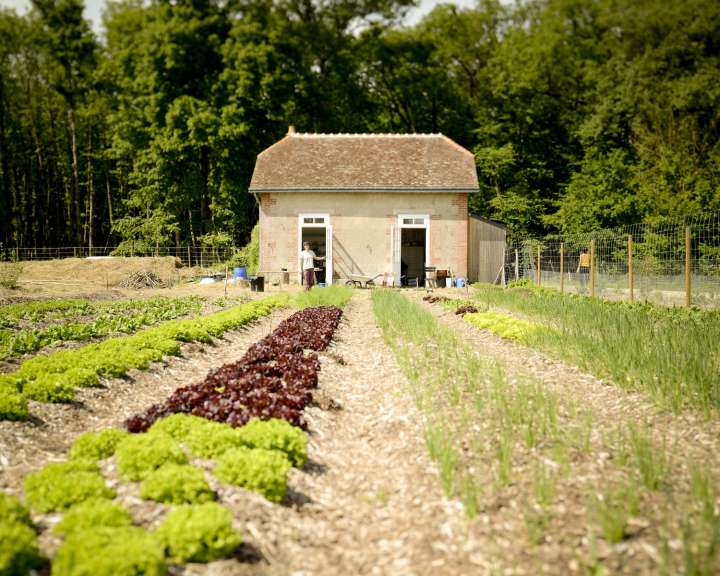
<point>26,446</point>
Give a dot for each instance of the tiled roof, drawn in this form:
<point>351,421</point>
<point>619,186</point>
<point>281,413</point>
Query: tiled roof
<point>347,162</point>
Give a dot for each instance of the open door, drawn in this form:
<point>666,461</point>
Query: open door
<point>328,255</point>
<point>396,247</point>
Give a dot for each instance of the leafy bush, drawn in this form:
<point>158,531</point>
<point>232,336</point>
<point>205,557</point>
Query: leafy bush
<point>13,405</point>
<point>12,510</point>
<point>59,485</point>
<point>199,533</point>
<point>276,434</point>
<point>249,255</point>
<point>110,551</point>
<point>176,484</point>
<point>97,445</point>
<point>92,514</point>
<point>19,553</point>
<point>138,455</point>
<point>263,471</point>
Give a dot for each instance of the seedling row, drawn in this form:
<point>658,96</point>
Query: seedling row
<point>602,495</point>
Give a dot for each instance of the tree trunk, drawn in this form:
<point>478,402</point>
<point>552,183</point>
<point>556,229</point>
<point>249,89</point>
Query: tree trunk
<point>75,172</point>
<point>91,192</point>
<point>4,166</point>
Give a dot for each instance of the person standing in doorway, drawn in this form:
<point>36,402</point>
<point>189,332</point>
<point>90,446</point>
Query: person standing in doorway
<point>583,269</point>
<point>308,257</point>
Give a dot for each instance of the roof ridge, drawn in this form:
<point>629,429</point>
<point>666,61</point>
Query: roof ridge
<point>366,135</point>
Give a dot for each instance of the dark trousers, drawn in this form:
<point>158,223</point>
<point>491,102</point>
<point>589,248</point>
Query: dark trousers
<point>309,278</point>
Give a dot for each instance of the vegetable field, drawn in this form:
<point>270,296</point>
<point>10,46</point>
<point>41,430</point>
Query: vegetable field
<point>479,431</point>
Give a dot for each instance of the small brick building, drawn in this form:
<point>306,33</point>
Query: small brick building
<point>370,203</point>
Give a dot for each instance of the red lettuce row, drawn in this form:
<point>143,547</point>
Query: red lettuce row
<point>274,379</point>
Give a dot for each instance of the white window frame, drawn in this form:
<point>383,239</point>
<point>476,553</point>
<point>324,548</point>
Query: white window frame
<point>328,248</point>
<point>425,224</point>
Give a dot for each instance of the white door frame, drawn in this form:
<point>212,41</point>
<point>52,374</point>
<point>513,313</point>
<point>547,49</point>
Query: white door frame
<point>425,223</point>
<point>320,220</point>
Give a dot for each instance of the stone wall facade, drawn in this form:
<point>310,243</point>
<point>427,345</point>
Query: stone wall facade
<point>362,224</point>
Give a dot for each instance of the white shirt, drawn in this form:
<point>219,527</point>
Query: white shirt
<point>308,259</point>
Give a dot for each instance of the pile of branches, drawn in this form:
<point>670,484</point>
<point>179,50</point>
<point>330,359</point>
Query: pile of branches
<point>274,379</point>
<point>142,279</point>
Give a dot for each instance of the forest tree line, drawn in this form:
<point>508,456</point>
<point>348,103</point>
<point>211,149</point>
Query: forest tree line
<point>582,114</point>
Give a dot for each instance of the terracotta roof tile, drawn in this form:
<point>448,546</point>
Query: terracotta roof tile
<point>364,162</point>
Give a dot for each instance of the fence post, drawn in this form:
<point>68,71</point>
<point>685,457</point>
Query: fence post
<point>630,267</point>
<point>539,280</point>
<point>189,258</point>
<point>592,267</point>
<point>688,256</point>
<point>562,267</point>
<point>517,265</point>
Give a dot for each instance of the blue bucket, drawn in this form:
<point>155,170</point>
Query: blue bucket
<point>240,272</point>
<point>460,282</point>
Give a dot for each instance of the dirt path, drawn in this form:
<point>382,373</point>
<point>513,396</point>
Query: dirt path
<point>371,502</point>
<point>25,446</point>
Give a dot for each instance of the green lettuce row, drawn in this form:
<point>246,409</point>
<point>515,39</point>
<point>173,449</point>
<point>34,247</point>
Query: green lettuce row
<point>53,378</point>
<point>506,326</point>
<point>125,317</point>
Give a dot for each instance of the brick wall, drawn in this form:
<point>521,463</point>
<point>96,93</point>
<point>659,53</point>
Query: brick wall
<point>362,224</point>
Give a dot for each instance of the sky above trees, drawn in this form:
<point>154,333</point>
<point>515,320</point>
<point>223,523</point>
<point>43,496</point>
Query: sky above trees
<point>94,9</point>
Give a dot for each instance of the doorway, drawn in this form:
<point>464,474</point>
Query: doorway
<point>412,256</point>
<point>316,229</point>
<point>411,249</point>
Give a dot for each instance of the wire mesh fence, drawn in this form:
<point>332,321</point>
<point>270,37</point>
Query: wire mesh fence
<point>672,263</point>
<point>202,256</point>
